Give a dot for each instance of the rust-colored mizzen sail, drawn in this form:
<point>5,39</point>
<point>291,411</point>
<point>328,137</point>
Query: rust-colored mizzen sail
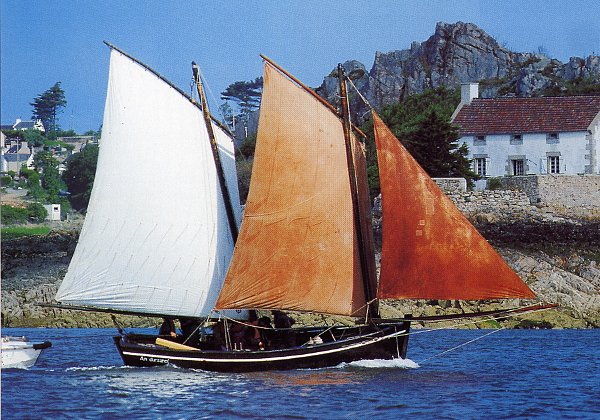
<point>297,248</point>
<point>429,249</point>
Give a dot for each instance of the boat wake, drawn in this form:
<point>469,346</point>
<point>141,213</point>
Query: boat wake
<point>96,368</point>
<point>382,364</point>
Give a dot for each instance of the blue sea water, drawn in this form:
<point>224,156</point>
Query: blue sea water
<point>509,374</point>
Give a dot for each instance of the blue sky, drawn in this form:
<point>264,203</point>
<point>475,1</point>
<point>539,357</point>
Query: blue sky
<point>45,41</point>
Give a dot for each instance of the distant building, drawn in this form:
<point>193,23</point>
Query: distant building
<point>53,211</point>
<point>25,125</point>
<point>78,142</point>
<point>521,136</point>
<point>14,155</point>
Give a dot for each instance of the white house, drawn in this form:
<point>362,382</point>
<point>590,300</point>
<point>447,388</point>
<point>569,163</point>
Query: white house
<point>22,125</point>
<point>524,136</point>
<point>14,155</point>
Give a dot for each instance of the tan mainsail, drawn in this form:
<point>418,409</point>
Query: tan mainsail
<point>429,248</point>
<point>297,248</point>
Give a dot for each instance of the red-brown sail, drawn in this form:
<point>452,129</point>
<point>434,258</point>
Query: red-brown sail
<point>429,249</point>
<point>297,248</point>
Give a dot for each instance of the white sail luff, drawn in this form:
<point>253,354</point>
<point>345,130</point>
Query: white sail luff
<point>156,238</point>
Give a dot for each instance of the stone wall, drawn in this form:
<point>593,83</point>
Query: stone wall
<point>487,205</point>
<point>452,184</point>
<point>568,195</point>
<point>492,206</point>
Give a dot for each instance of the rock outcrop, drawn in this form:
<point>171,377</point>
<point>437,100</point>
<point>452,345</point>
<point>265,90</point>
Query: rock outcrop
<point>458,53</point>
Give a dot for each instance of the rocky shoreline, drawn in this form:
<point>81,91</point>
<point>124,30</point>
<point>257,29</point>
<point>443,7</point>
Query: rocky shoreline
<point>558,257</point>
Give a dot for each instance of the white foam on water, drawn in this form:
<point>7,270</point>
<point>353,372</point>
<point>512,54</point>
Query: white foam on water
<point>93,368</point>
<point>382,364</point>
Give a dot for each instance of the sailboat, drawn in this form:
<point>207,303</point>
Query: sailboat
<point>161,237</point>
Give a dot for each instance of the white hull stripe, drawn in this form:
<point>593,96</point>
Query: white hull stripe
<point>271,359</point>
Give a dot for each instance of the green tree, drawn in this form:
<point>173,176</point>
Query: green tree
<point>245,94</point>
<point>577,86</point>
<point>33,184</point>
<point>79,176</point>
<point>47,105</point>
<point>246,148</point>
<point>34,138</point>
<point>433,143</point>
<point>47,166</point>
<point>15,134</point>
<point>422,123</point>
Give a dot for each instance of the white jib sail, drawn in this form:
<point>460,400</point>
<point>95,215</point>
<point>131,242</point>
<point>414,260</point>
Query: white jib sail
<point>156,237</point>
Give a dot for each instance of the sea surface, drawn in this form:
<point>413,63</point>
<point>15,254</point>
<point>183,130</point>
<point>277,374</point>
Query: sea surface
<point>507,374</point>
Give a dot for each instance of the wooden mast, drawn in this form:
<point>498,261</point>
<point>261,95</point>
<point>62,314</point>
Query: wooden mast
<point>215,151</point>
<point>366,273</point>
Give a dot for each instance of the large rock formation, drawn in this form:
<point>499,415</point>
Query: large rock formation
<point>454,54</point>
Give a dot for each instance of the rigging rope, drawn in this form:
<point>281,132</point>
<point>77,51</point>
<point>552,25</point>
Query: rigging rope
<point>212,96</point>
<point>460,345</point>
<point>359,94</point>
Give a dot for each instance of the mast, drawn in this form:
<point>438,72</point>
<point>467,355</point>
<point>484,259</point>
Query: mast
<point>361,235</point>
<point>215,151</point>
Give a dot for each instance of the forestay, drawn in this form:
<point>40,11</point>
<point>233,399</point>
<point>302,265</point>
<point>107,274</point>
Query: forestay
<point>156,237</point>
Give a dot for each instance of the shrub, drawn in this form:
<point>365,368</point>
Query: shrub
<point>494,184</point>
<point>12,215</point>
<point>36,212</point>
<point>6,181</point>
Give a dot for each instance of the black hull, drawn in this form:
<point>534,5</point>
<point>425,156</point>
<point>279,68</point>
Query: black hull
<point>343,345</point>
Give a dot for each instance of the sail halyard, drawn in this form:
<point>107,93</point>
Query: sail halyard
<point>156,239</point>
<point>429,249</point>
<point>297,248</point>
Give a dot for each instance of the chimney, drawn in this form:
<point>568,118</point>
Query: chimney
<point>468,92</point>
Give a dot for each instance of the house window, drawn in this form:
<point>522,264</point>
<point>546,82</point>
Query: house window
<point>480,166</point>
<point>517,167</point>
<point>552,138</point>
<point>479,141</point>
<point>553,164</point>
<point>516,139</point>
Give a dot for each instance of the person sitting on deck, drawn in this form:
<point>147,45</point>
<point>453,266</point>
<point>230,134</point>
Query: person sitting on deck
<point>219,335</point>
<point>256,338</point>
<point>190,330</point>
<point>237,332</point>
<point>168,328</point>
<point>287,337</point>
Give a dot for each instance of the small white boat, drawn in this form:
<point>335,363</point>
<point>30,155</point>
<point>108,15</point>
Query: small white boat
<point>18,352</point>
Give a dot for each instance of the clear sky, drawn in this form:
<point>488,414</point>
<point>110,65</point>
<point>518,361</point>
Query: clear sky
<point>46,41</point>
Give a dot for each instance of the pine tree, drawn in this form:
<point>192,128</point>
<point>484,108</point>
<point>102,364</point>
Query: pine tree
<point>246,94</point>
<point>422,124</point>
<point>47,106</point>
<point>433,144</point>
